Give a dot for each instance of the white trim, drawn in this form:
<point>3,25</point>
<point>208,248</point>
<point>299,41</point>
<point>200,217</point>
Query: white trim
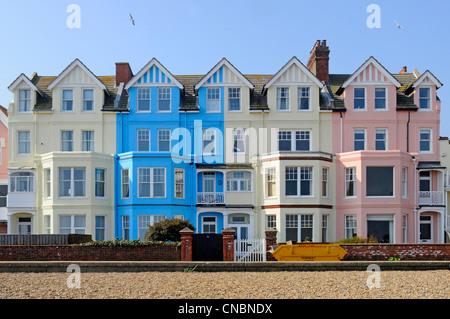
<point>152,62</point>
<point>20,78</point>
<point>225,62</point>
<point>377,66</point>
<point>302,67</point>
<point>71,66</point>
<point>430,76</point>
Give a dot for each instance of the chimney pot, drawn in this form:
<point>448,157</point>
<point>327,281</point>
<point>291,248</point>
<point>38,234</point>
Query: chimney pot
<point>404,70</point>
<point>123,72</point>
<point>318,61</point>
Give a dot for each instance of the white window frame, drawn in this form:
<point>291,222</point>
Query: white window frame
<point>430,140</point>
<point>212,99</point>
<point>25,101</point>
<point>26,142</point>
<point>124,182</point>
<point>350,181</point>
<point>72,228</point>
<point>99,227</point>
<point>351,224</point>
<point>283,93</point>
<point>378,98</point>
<point>325,181</point>
<point>125,219</point>
<point>72,182</point>
<point>100,182</point>
<point>239,137</point>
<point>404,182</point>
<point>271,221</point>
<point>86,100</point>
<point>428,98</point>
<point>355,98</point>
<point>13,182</point>
<point>144,221</point>
<point>359,130</point>
<point>238,180</point>
<point>271,178</point>
<point>47,183</point>
<point>209,224</point>
<point>151,181</point>
<point>143,94</point>
<point>385,140</point>
<point>300,222</point>
<point>301,95</point>
<point>405,228</point>
<point>207,135</point>
<point>88,145</point>
<point>163,95</point>
<point>325,228</point>
<point>67,142</point>
<point>301,171</point>
<point>234,94</point>
<point>140,139</point>
<point>293,136</point>
<point>162,133</point>
<point>64,101</point>
<point>179,185</point>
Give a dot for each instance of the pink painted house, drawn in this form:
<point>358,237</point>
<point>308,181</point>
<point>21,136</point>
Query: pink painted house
<point>390,182</point>
<point>3,168</point>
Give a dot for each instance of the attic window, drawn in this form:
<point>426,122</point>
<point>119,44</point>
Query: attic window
<point>24,100</point>
<point>424,98</point>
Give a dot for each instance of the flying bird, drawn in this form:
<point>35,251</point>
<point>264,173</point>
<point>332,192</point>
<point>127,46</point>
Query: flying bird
<point>399,26</point>
<point>131,19</point>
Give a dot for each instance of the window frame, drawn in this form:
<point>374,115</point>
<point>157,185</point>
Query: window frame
<point>283,93</point>
<point>238,180</point>
<point>26,142</point>
<point>65,101</point>
<point>350,223</point>
<point>177,182</point>
<point>138,140</point>
<point>426,98</point>
<point>325,182</point>
<point>359,140</point>
<point>88,142</point>
<point>404,182</point>
<point>99,227</point>
<point>430,141</point>
<point>206,132</point>
<point>212,98</point>
<point>143,94</point>
<point>151,182</point>
<point>125,222</point>
<point>393,182</point>
<point>209,223</point>
<point>364,99</point>
<point>99,182</point>
<point>292,137</point>
<point>350,183</point>
<point>72,182</point>
<point>162,96</point>
<point>302,223</point>
<point>85,100</point>
<point>12,187</point>
<point>123,183</point>
<point>385,140</point>
<point>239,136</point>
<point>300,172</point>
<point>47,183</point>
<point>162,133</point>
<point>271,181</point>
<point>385,98</point>
<point>67,142</point>
<point>234,94</point>
<point>73,228</point>
<point>300,96</point>
<point>26,100</point>
<point>152,219</point>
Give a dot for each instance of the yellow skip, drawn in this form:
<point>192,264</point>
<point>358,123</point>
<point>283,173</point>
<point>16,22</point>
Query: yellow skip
<point>308,252</point>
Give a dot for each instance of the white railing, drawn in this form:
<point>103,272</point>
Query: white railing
<point>250,250</point>
<point>431,198</point>
<point>209,198</point>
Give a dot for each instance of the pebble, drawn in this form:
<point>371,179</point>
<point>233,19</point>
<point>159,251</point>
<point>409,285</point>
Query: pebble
<point>431,284</point>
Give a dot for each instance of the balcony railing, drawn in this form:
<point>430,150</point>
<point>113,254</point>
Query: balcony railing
<point>431,198</point>
<point>210,198</point>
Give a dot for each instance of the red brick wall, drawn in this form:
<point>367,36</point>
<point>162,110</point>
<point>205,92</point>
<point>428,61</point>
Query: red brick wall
<point>403,251</point>
<point>90,253</point>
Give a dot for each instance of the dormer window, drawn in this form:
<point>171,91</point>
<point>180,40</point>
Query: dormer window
<point>24,100</point>
<point>424,98</point>
<point>67,100</point>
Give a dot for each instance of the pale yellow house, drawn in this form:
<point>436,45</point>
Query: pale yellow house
<point>61,165</point>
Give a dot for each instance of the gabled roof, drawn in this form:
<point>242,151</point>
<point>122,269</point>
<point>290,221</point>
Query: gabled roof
<point>302,67</point>
<point>378,65</point>
<point>153,62</point>
<point>430,76</point>
<point>23,77</point>
<point>70,67</point>
<point>225,62</point>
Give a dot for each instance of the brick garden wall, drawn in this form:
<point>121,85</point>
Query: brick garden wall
<point>403,251</point>
<point>89,253</point>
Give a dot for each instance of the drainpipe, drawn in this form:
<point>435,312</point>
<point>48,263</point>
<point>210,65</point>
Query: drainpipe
<point>407,131</point>
<point>342,138</point>
<point>416,211</point>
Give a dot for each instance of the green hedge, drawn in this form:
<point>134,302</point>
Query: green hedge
<point>130,243</point>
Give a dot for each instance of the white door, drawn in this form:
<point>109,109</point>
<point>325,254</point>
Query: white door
<point>209,182</point>
<point>426,229</point>
<point>24,225</point>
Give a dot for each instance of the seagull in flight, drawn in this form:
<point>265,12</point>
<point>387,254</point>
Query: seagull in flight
<point>131,19</point>
<point>399,26</point>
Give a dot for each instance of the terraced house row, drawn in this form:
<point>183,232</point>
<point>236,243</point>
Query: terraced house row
<point>314,155</point>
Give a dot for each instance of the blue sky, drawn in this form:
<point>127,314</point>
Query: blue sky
<point>190,37</point>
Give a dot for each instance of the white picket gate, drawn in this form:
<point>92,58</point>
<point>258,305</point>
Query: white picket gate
<point>250,250</point>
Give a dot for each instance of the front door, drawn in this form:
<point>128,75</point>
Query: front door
<point>426,229</point>
<point>24,225</point>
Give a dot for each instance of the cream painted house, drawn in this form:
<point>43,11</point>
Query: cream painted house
<point>61,165</point>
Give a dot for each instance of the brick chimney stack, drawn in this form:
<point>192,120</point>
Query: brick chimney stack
<point>404,70</point>
<point>318,61</point>
<point>123,72</point>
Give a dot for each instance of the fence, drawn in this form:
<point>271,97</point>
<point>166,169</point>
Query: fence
<point>54,239</point>
<point>250,250</point>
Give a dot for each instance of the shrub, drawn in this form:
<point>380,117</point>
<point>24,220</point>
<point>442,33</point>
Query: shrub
<point>167,230</point>
<point>357,240</point>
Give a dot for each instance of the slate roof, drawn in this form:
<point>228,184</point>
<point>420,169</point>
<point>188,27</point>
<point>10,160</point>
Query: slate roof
<point>331,95</point>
